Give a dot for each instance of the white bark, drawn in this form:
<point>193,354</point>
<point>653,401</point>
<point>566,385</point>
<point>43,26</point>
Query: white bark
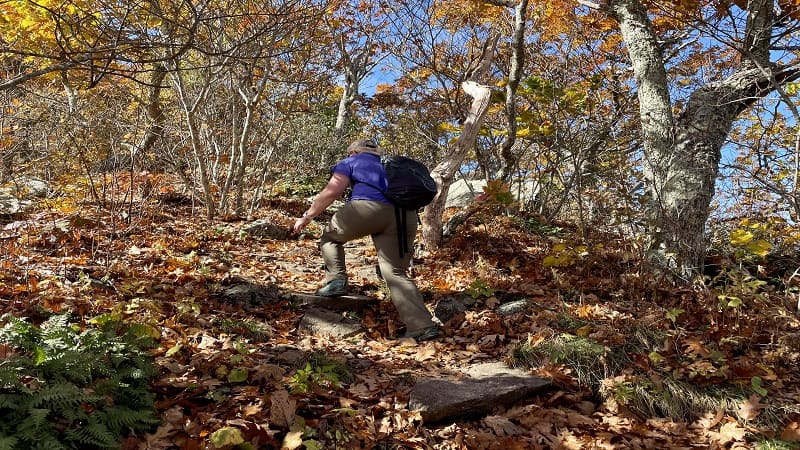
<point>682,154</point>
<point>443,173</point>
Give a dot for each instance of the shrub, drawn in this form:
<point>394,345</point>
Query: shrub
<point>64,388</point>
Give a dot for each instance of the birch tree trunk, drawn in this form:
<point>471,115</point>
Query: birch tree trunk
<point>682,153</point>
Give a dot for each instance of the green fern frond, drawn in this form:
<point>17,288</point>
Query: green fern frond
<point>33,425</point>
<point>17,332</point>
<point>122,419</point>
<point>12,400</point>
<point>91,386</point>
<point>59,396</point>
<point>8,443</point>
<point>94,434</point>
<point>47,442</point>
<point>9,374</point>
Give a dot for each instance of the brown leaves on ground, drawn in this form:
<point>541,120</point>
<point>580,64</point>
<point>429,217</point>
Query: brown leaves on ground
<point>219,373</point>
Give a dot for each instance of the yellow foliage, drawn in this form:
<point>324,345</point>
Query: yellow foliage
<point>747,239</point>
<point>448,127</point>
<point>759,247</point>
<point>564,255</point>
<point>741,237</point>
<point>420,74</point>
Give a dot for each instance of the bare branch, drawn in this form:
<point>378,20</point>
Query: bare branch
<point>589,4</point>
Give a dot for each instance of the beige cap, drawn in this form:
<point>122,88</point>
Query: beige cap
<point>364,146</point>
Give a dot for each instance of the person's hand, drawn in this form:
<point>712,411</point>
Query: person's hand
<point>301,223</point>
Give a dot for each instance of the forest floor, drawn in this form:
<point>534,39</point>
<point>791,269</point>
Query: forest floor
<point>168,266</point>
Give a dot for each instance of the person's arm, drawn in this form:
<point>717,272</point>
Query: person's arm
<point>333,190</point>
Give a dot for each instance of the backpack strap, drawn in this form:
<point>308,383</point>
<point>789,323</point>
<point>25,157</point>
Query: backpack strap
<point>400,221</point>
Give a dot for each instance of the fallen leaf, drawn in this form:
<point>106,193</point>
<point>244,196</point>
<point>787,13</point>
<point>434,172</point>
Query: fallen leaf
<point>492,302</point>
<point>161,439</point>
<point>502,426</point>
<point>282,409</point>
<point>426,352</point>
<point>709,420</point>
<point>729,432</point>
<point>750,408</point>
<point>791,433</point>
<point>252,410</point>
<point>292,440</point>
<point>227,436</point>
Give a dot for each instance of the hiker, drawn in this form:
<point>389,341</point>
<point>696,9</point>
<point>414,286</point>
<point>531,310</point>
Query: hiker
<point>368,212</point>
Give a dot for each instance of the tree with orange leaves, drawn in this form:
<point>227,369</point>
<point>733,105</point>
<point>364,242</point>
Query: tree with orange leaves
<point>682,140</point>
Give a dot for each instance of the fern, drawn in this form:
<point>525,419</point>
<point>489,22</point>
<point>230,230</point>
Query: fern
<point>34,424</point>
<point>67,388</point>
<point>48,442</point>
<point>93,434</point>
<point>122,418</point>
<point>59,396</point>
<point>8,442</point>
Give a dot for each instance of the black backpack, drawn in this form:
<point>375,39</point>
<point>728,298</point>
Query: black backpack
<point>410,185</point>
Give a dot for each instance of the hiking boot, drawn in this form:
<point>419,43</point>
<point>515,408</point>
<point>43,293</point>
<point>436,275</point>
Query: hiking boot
<point>423,334</point>
<point>334,288</point>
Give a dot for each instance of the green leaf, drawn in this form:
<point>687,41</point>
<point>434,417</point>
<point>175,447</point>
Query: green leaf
<point>39,356</point>
<point>227,436</point>
<point>174,349</point>
<point>655,357</point>
<point>312,445</point>
<point>237,375</point>
<point>141,330</point>
<point>674,313</point>
<point>755,383</point>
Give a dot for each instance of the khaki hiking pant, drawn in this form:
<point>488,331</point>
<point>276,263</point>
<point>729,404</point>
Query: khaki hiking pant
<point>359,218</point>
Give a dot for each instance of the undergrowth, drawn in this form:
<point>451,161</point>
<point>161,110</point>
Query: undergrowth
<point>63,387</point>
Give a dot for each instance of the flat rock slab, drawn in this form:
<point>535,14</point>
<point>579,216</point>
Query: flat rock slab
<point>350,302</point>
<point>323,322</point>
<point>483,388</point>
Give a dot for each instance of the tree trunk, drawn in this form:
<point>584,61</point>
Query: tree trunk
<point>682,155</point>
<point>356,67</point>
<point>443,173</point>
<point>514,73</point>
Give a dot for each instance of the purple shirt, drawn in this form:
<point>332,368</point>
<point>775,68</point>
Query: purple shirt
<point>366,174</point>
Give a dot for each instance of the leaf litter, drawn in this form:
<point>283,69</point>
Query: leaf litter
<point>218,384</point>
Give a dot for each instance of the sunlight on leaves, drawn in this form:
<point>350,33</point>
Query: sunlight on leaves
<point>741,237</point>
<point>227,436</point>
<point>293,439</point>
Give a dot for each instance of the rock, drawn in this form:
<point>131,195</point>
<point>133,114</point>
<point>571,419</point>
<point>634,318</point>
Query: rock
<point>263,228</point>
<point>448,308</point>
<point>350,302</point>
<point>35,188</point>
<point>249,294</point>
<point>324,322</point>
<point>10,204</point>
<point>462,192</point>
<point>287,355</point>
<point>513,307</point>
<point>484,387</point>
